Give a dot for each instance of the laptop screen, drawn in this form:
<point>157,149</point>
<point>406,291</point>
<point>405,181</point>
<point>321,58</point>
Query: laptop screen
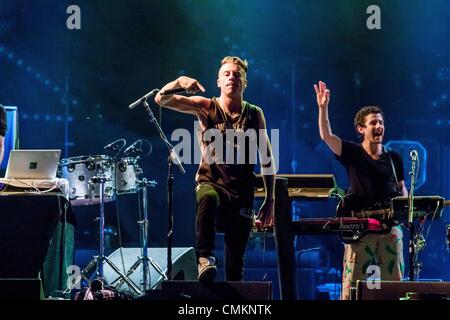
<point>33,164</point>
<point>12,135</point>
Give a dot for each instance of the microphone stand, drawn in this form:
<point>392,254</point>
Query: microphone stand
<point>412,230</point>
<point>171,159</point>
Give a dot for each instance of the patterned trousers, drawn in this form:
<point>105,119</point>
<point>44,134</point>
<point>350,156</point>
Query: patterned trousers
<point>382,250</point>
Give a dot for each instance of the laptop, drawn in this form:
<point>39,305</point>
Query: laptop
<point>33,164</point>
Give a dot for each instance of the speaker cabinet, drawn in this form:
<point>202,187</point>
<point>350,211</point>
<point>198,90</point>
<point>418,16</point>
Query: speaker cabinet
<point>394,290</point>
<point>230,290</point>
<point>20,289</point>
<point>184,266</point>
<point>27,226</point>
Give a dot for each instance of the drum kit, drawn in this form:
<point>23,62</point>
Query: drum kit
<point>123,176</point>
<point>99,179</point>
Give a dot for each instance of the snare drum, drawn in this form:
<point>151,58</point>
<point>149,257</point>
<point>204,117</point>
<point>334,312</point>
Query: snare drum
<point>80,170</point>
<point>128,176</point>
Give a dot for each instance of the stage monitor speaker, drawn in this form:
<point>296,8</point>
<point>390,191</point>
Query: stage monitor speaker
<point>20,289</point>
<point>229,290</point>
<point>394,290</point>
<point>184,266</point>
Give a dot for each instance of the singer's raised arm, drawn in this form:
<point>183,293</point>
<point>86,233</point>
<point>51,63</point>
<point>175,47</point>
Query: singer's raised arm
<point>196,105</point>
<point>326,134</point>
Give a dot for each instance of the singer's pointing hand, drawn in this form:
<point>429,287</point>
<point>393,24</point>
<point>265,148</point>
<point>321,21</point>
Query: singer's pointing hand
<point>322,94</point>
<point>190,84</point>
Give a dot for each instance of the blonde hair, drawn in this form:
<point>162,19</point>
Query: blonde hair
<point>238,61</point>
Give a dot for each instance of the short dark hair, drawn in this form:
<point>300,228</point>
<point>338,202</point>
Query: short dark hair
<point>360,116</point>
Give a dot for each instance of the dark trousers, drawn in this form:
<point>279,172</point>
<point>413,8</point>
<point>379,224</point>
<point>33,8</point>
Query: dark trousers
<point>232,216</point>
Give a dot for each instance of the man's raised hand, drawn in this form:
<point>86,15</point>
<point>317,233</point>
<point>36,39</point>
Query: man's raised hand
<point>322,94</point>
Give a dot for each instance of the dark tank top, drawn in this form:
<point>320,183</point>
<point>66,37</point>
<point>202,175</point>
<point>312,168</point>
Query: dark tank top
<point>236,178</point>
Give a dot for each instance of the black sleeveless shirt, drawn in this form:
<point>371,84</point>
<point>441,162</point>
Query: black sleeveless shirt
<point>236,178</point>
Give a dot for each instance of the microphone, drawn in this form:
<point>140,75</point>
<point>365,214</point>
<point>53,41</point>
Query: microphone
<point>140,100</point>
<point>114,146</point>
<point>176,90</point>
<point>134,148</point>
<point>414,154</point>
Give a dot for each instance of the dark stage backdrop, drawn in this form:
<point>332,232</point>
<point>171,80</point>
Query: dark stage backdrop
<point>72,88</point>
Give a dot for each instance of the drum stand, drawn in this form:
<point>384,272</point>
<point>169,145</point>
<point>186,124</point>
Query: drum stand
<point>144,258</point>
<point>101,258</point>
